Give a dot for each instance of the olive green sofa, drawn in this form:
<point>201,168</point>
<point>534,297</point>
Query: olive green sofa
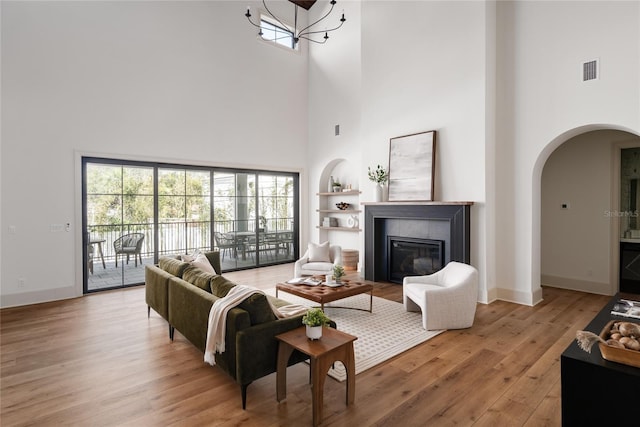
<point>183,295</point>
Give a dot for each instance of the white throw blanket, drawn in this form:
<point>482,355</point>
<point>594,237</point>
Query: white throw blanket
<point>218,318</point>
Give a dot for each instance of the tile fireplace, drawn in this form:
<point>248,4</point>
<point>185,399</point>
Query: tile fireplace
<point>432,234</point>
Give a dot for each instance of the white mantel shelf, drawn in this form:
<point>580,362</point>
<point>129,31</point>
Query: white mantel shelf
<point>416,203</point>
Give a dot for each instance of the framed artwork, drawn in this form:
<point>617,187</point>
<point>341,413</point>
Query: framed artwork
<point>411,167</point>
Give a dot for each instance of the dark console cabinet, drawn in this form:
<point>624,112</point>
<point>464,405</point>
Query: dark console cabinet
<point>592,388</point>
<point>630,267</point>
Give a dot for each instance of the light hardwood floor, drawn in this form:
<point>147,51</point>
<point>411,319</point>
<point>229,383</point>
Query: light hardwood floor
<point>98,360</point>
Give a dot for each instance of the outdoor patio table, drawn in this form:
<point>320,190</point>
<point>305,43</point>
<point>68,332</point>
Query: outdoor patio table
<point>99,243</point>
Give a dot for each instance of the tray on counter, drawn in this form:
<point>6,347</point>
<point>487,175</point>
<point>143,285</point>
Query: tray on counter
<point>614,354</point>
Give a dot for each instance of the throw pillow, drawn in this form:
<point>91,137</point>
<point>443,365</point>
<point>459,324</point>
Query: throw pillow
<point>203,263</point>
<point>190,257</point>
<point>319,253</point>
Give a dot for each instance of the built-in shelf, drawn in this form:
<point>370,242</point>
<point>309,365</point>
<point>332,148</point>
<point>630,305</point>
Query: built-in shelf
<point>328,199</point>
<point>339,211</point>
<point>341,193</point>
<point>338,228</point>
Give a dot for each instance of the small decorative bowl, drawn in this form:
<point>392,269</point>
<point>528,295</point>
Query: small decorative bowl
<point>342,205</point>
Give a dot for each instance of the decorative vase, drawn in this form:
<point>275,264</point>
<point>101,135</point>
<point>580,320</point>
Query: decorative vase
<point>314,332</point>
<point>379,193</point>
<point>331,182</point>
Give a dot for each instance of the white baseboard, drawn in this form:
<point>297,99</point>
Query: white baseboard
<point>577,285</point>
<point>37,297</point>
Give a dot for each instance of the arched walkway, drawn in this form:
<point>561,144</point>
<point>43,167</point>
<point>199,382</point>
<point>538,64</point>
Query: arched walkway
<point>576,234</point>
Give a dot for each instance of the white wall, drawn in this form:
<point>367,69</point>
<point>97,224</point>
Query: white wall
<point>501,84</point>
<point>335,99</point>
<point>543,103</point>
<point>416,66</point>
<point>185,82</point>
<point>576,243</point>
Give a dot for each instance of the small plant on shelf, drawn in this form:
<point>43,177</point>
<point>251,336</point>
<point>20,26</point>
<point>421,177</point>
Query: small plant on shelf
<point>338,272</point>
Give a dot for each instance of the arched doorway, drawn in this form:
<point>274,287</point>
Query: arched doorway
<point>578,179</point>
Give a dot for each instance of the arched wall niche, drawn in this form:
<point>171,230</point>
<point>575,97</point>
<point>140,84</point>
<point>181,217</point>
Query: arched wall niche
<point>342,170</point>
<point>345,172</point>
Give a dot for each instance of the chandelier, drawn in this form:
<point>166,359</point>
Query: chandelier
<point>310,32</point>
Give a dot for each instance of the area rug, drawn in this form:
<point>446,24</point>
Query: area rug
<point>383,334</point>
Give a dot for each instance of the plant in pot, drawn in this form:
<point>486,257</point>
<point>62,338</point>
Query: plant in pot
<point>338,272</point>
<point>263,223</point>
<point>315,319</point>
<point>379,176</point>
<point>337,187</point>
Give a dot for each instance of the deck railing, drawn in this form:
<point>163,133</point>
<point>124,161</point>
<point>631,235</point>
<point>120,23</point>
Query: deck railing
<point>174,236</point>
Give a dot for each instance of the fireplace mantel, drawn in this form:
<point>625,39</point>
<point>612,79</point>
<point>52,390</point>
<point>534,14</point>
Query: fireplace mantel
<point>415,203</point>
<point>445,221</point>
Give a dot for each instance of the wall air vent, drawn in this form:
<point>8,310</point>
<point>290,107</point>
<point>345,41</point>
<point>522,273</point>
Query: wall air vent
<point>590,70</point>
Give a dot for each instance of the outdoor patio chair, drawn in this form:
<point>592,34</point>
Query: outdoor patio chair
<point>262,244</point>
<point>129,244</point>
<point>226,242</point>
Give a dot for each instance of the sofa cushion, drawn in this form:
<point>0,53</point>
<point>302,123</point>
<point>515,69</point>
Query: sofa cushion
<point>198,277</point>
<point>256,305</point>
<point>220,286</point>
<point>319,253</point>
<point>258,308</point>
<point>317,266</point>
<point>277,302</point>
<point>172,266</point>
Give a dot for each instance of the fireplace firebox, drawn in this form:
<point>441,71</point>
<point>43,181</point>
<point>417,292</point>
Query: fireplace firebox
<point>413,257</point>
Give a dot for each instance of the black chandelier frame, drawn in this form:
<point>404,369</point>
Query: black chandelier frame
<point>305,33</point>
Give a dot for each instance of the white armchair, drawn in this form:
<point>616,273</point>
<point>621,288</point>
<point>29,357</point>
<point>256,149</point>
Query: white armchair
<point>447,298</point>
<point>318,260</point>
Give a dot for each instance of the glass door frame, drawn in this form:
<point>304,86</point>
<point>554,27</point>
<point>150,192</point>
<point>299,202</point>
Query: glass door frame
<point>156,166</point>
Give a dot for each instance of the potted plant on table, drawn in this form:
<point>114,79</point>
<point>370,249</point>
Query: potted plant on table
<point>338,272</point>
<point>315,319</point>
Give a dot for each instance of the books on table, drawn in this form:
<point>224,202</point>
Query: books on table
<point>626,308</point>
<point>309,281</point>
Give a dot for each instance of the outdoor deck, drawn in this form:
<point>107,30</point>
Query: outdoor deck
<point>128,274</point>
<point>238,250</point>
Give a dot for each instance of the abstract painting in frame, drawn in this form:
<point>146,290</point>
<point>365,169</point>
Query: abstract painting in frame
<point>411,167</point>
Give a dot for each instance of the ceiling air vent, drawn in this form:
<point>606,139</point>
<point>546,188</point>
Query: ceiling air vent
<point>590,70</point>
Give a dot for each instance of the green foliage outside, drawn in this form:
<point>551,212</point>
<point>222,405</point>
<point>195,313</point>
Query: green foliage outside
<point>119,194</point>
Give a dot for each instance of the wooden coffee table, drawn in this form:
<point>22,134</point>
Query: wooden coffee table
<point>323,294</point>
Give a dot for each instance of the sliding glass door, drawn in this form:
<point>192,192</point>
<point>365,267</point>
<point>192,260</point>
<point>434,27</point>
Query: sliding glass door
<point>254,218</point>
<point>119,226</point>
<point>136,212</point>
<point>184,210</point>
